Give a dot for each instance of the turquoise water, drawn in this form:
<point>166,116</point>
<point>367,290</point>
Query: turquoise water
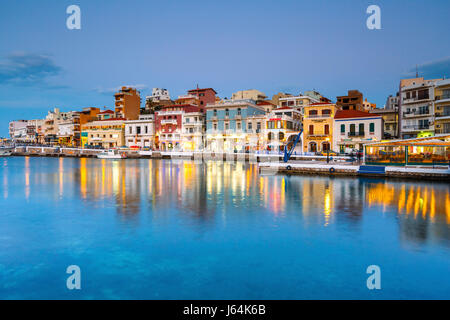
<point>157,229</point>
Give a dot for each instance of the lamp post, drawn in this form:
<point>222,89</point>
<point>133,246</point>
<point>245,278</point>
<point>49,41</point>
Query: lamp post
<point>328,149</point>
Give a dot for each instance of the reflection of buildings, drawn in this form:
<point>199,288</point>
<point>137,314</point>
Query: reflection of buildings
<point>423,210</point>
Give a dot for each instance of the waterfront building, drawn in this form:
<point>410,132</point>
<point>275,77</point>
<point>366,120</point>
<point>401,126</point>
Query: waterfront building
<point>432,151</point>
<point>283,125</point>
<point>226,124</point>
<point>127,103</point>
<point>140,133</point>
<point>105,133</point>
<point>193,129</point>
<point>256,133</point>
<point>353,129</point>
<point>352,101</point>
<point>390,121</point>
<point>416,109</point>
<point>69,133</point>
<point>205,96</point>
<point>170,133</point>
<point>318,126</point>
<point>251,94</point>
<point>18,130</point>
<point>442,107</point>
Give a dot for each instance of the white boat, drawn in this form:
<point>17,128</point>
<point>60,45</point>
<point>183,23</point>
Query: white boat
<point>5,152</point>
<point>112,154</point>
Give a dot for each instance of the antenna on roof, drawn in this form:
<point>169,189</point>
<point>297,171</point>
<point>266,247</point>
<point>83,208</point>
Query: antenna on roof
<point>417,72</point>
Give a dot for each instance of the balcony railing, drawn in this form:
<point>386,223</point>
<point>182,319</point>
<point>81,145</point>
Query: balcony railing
<point>416,127</point>
<point>317,116</point>
<point>417,113</point>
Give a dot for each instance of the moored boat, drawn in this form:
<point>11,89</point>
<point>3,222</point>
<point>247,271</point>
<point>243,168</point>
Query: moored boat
<point>112,154</point>
<point>5,152</point>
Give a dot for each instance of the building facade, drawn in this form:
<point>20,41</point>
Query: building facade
<point>442,107</point>
<point>127,103</point>
<point>140,133</point>
<point>352,129</point>
<point>416,112</point>
<point>226,124</point>
<point>352,101</point>
<point>251,94</point>
<point>318,127</point>
<point>172,128</point>
<point>205,96</point>
<point>283,125</point>
<point>104,133</point>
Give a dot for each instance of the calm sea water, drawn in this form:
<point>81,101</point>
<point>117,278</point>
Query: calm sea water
<point>156,229</point>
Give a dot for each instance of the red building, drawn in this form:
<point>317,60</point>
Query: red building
<point>205,96</point>
<point>169,125</point>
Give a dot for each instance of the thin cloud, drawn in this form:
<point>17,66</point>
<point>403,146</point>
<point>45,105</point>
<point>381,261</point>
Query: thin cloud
<point>28,69</point>
<point>433,69</point>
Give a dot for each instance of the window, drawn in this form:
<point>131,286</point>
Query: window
<point>250,126</point>
<point>239,111</point>
<point>215,112</point>
<point>227,112</point>
<point>361,128</point>
<point>327,129</point>
<point>311,129</point>
<point>372,127</point>
<point>138,130</point>
<point>227,126</point>
<point>215,126</point>
<point>342,128</point>
<point>238,125</point>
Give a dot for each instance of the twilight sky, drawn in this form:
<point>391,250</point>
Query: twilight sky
<point>272,46</point>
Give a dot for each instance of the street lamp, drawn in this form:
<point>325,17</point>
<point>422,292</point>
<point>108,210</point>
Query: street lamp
<point>328,149</point>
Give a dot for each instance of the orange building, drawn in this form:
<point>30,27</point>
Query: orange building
<point>128,103</point>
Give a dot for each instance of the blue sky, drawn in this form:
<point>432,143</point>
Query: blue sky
<point>272,46</point>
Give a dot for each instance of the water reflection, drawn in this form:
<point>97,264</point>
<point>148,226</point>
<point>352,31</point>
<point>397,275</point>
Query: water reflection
<point>212,191</point>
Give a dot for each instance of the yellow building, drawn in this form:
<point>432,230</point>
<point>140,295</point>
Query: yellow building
<point>442,107</point>
<point>104,133</point>
<point>318,126</point>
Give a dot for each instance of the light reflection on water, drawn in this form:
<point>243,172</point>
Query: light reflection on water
<point>185,206</point>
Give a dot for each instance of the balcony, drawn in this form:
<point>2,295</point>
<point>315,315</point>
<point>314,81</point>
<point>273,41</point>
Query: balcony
<point>169,121</point>
<point>416,127</point>
<point>318,116</point>
<point>356,134</point>
<point>425,113</point>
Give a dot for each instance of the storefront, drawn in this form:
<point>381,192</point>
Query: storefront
<point>422,151</point>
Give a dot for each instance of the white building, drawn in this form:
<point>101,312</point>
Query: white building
<point>18,129</point>
<point>193,129</point>
<point>140,133</point>
<point>352,129</point>
<point>416,114</point>
<point>283,126</point>
<point>159,94</point>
